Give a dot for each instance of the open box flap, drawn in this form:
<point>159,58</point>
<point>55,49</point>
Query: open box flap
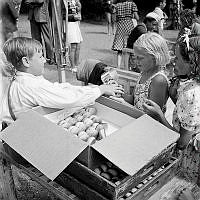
<point>121,107</point>
<point>131,147</point>
<point>42,143</point>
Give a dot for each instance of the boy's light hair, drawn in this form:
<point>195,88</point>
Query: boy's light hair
<point>17,48</point>
<point>155,45</point>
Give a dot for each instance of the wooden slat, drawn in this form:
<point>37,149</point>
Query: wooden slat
<point>7,188</point>
<point>81,190</point>
<point>36,176</point>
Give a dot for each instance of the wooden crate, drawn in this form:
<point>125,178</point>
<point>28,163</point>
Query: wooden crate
<point>109,189</point>
<point>141,191</point>
<point>145,191</point>
<point>128,79</point>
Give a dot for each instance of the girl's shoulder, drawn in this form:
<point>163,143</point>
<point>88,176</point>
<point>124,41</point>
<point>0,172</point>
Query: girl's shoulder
<point>160,78</point>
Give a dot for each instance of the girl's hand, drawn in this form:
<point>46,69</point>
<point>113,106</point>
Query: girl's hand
<point>111,90</point>
<point>152,109</point>
<point>173,90</point>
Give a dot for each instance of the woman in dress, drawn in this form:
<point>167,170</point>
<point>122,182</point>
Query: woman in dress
<point>74,32</point>
<point>126,11</point>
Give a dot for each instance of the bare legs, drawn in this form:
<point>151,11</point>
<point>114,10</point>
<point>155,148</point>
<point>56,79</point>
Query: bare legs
<point>74,54</point>
<point>77,54</point>
<point>119,58</point>
<point>108,17</point>
<point>110,23</point>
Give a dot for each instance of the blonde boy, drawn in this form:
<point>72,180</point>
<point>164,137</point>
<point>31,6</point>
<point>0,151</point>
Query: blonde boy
<point>29,88</point>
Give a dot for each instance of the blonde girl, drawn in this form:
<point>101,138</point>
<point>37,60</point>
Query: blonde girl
<point>152,55</point>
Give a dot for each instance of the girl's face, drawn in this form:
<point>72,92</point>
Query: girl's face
<point>182,67</point>
<point>163,4</point>
<point>145,61</point>
<point>37,63</point>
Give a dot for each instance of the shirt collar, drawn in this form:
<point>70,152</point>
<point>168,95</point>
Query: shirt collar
<point>25,74</point>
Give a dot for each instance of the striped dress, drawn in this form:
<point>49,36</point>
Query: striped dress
<point>124,17</point>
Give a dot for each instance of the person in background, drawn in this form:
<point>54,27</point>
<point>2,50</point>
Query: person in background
<point>109,8</point>
<point>152,55</point>
<point>125,12</point>
<point>160,5</point>
<point>90,71</point>
<point>9,13</point>
<point>40,26</point>
<point>74,32</point>
<point>186,95</point>
<point>189,23</point>
<point>150,24</point>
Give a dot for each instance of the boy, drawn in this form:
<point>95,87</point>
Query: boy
<point>29,88</point>
<point>160,5</point>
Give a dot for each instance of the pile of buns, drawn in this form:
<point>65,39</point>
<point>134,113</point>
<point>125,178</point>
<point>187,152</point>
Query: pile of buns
<point>85,124</point>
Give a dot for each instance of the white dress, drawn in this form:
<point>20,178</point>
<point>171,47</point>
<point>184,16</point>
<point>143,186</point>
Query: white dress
<point>74,32</point>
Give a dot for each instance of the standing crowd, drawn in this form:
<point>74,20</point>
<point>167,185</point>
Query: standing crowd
<point>28,88</point>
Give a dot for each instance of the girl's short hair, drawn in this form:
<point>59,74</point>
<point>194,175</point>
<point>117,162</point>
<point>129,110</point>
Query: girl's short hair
<point>17,48</point>
<point>155,45</point>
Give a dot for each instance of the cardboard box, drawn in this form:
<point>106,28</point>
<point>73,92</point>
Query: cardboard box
<point>138,142</point>
<point>46,145</point>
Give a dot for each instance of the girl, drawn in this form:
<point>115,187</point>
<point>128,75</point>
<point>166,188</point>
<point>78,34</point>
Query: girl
<point>152,55</point>
<point>186,118</point>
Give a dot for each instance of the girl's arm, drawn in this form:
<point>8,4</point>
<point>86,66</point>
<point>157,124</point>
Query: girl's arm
<point>136,16</point>
<point>153,109</point>
<point>159,90</point>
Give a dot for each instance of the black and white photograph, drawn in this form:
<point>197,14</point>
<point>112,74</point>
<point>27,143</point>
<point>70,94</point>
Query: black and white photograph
<point>99,99</point>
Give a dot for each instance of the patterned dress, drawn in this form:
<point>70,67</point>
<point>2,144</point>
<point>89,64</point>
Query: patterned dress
<point>124,17</point>
<point>187,111</point>
<point>141,92</point>
<point>187,115</point>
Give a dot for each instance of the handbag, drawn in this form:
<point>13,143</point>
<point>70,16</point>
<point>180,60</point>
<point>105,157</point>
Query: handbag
<point>77,17</point>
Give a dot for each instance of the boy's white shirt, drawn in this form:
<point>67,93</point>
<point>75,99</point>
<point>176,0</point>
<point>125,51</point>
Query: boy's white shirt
<point>28,91</point>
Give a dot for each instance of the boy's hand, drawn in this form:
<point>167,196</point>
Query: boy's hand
<point>152,109</point>
<point>111,90</point>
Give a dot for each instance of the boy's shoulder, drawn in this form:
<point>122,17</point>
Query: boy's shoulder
<point>30,81</point>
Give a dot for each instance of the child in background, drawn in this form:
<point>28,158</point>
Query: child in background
<point>74,33</point>
<point>29,88</point>
<point>152,55</point>
<point>160,5</point>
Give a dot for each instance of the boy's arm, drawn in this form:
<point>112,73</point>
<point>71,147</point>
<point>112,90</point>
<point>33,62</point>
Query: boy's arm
<point>54,96</point>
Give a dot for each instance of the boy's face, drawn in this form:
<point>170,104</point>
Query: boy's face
<point>37,63</point>
<point>152,26</point>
